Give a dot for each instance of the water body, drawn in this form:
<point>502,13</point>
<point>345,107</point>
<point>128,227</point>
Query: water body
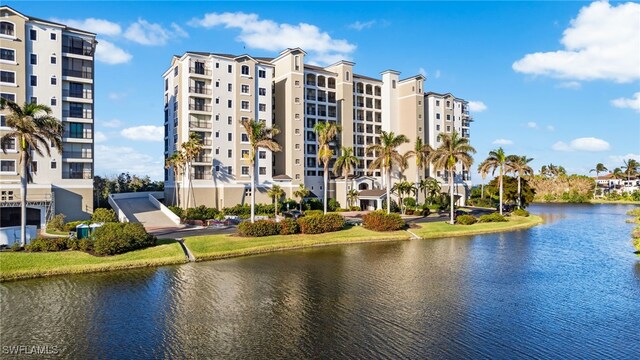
<point>567,289</point>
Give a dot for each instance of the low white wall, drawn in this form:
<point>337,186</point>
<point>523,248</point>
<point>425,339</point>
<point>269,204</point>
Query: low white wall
<point>141,194</point>
<point>165,210</point>
<point>11,234</point>
<point>121,216</point>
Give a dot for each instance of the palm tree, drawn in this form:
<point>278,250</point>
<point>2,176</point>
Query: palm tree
<point>175,162</point>
<point>520,166</point>
<point>617,173</point>
<point>497,160</point>
<point>32,129</point>
<point>402,188</point>
<point>326,131</point>
<point>352,195</point>
<point>630,167</point>
<point>301,193</point>
<point>260,136</point>
<point>387,156</point>
<point>404,164</point>
<point>431,188</point>
<point>421,152</point>
<point>453,149</point>
<point>598,169</point>
<point>345,162</point>
<point>276,193</point>
<point>190,150</point>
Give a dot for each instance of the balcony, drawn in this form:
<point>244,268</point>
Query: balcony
<point>84,94</point>
<point>200,107</point>
<point>85,74</point>
<point>200,124</point>
<point>200,90</point>
<point>78,50</point>
<point>77,175</point>
<point>203,159</point>
<point>201,176</point>
<point>78,135</point>
<point>77,114</point>
<point>77,154</point>
<point>206,142</point>
<point>199,71</point>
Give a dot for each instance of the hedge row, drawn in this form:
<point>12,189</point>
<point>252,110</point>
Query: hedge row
<point>381,221</point>
<point>310,224</point>
<point>494,217</point>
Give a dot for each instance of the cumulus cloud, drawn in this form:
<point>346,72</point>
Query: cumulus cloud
<point>98,26</point>
<point>618,159</point>
<point>113,123</point>
<point>269,35</point>
<point>477,106</point>
<point>146,33</point>
<point>632,103</point>
<point>144,133</point>
<point>118,159</point>
<point>361,25</point>
<point>109,53</point>
<point>99,137</point>
<point>601,43</point>
<point>532,125</point>
<point>502,142</point>
<point>590,144</point>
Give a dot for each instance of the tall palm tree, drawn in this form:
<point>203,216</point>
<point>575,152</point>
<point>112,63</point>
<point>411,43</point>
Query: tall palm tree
<point>326,131</point>
<point>598,169</point>
<point>301,193</point>
<point>520,166</point>
<point>617,173</point>
<point>421,153</point>
<point>352,195</point>
<point>33,128</point>
<point>452,150</point>
<point>276,193</point>
<point>404,164</point>
<point>387,156</point>
<point>345,163</point>
<point>403,188</point>
<point>190,150</point>
<point>431,188</point>
<point>175,163</point>
<point>630,167</point>
<point>260,136</point>
<point>497,160</point>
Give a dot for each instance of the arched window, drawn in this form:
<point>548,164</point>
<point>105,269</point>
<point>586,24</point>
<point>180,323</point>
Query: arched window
<point>7,28</point>
<point>245,70</point>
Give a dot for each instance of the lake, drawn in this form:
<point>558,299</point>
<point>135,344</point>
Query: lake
<point>569,288</point>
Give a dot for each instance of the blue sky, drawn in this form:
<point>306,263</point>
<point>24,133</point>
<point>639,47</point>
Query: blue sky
<point>557,81</point>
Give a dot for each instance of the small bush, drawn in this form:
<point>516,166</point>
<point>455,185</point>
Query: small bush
<point>201,213</point>
<point>520,212</point>
<point>47,244</point>
<point>318,224</point>
<point>16,246</point>
<point>57,222</point>
<point>466,220</point>
<point>495,217</point>
<point>381,221</point>
<point>73,243</point>
<point>177,210</point>
<point>354,208</point>
<point>425,211</point>
<point>118,238</point>
<point>71,226</point>
<point>409,202</point>
<point>409,212</point>
<point>85,245</point>
<point>341,210</point>
<point>258,228</point>
<point>288,227</point>
<point>104,215</point>
<point>313,212</point>
<point>332,204</point>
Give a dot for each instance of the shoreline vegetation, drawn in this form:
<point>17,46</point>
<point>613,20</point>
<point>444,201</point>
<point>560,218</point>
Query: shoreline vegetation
<point>24,265</point>
<point>591,201</point>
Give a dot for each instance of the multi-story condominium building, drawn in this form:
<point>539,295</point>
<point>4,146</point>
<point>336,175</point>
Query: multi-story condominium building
<point>302,95</point>
<point>52,64</point>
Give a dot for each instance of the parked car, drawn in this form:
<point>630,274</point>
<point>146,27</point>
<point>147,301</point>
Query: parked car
<point>294,214</point>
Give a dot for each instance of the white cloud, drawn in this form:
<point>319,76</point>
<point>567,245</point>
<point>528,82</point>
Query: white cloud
<point>502,142</point>
<point>99,137</point>
<point>98,26</point>
<point>477,106</point>
<point>118,159</point>
<point>573,85</point>
<point>633,103</point>
<point>551,128</point>
<point>361,25</point>
<point>422,72</point>
<point>114,123</point>
<point>590,144</point>
<point>532,125</point>
<point>618,159</point>
<point>146,33</point>
<point>270,35</point>
<point>109,53</point>
<point>116,95</point>
<point>601,43</point>
<point>437,74</point>
<point>144,133</point>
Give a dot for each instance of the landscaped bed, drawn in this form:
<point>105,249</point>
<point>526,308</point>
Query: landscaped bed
<point>444,229</point>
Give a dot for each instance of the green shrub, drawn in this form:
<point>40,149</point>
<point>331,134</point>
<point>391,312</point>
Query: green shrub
<point>409,202</point>
<point>288,227</point>
<point>520,212</point>
<point>104,215</point>
<point>47,244</point>
<point>634,212</point>
<point>466,220</point>
<point>425,211</point>
<point>73,243</point>
<point>16,246</point>
<point>177,210</point>
<point>483,202</point>
<point>313,212</point>
<point>494,217</point>
<point>318,224</point>
<point>340,210</point>
<point>381,221</point>
<point>258,228</point>
<point>394,205</point>
<point>71,226</point>
<point>57,222</point>
<point>244,211</point>
<point>118,238</point>
<point>354,208</point>
<point>201,213</point>
<point>314,204</point>
<point>85,245</point>
<point>332,204</point>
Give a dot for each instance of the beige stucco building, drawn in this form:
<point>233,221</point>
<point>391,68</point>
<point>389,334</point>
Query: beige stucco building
<point>51,64</point>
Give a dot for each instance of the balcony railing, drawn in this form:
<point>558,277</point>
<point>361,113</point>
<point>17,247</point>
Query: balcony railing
<point>77,154</point>
<point>201,176</point>
<point>75,135</point>
<point>85,74</point>
<point>199,107</point>
<point>200,124</point>
<point>77,175</point>
<point>84,94</point>
<point>77,114</point>
<point>199,71</point>
<point>206,142</point>
<point>85,50</point>
<point>200,90</point>
<point>203,159</point>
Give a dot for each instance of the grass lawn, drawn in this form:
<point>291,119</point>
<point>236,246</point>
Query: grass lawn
<point>223,246</point>
<point>444,229</point>
<point>17,265</point>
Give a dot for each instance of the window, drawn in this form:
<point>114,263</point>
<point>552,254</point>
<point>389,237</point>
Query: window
<point>34,80</point>
<point>229,69</point>
<point>217,168</point>
<point>244,137</point>
<point>175,71</point>
<point>54,164</point>
<point>245,171</point>
<point>437,102</point>
<point>261,154</point>
<point>245,70</point>
<point>34,166</point>
<point>438,127</point>
<point>7,28</point>
<point>245,154</point>
<point>217,152</point>
<point>297,100</point>
<point>229,170</point>
<point>33,59</point>
<point>262,107</point>
<point>297,116</point>
<point>8,54</point>
<point>34,100</point>
<point>297,146</point>
<point>8,77</point>
<point>448,117</point>
<point>53,36</point>
<point>175,90</point>
<point>217,84</point>
<point>54,59</point>
<point>54,102</point>
<point>297,62</point>
<point>217,117</point>
<point>244,105</point>
<point>297,82</point>
<point>3,120</point>
<point>393,84</point>
<point>33,35</point>
<point>262,74</point>
<point>297,131</point>
<point>11,144</point>
<point>7,195</point>
<point>229,120</point>
<point>8,166</point>
<point>217,100</point>
<point>262,170</point>
<point>347,76</point>
<point>297,176</point>
<point>229,136</point>
<point>10,97</point>
<point>262,91</point>
<point>438,116</point>
<point>229,104</point>
<point>297,161</point>
<point>245,89</point>
<point>229,153</point>
<point>217,134</point>
<point>229,87</point>
<point>54,80</point>
<point>448,103</point>
<point>448,128</point>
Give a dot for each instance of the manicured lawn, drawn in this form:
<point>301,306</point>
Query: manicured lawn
<point>224,245</point>
<point>444,229</point>
<point>15,265</point>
